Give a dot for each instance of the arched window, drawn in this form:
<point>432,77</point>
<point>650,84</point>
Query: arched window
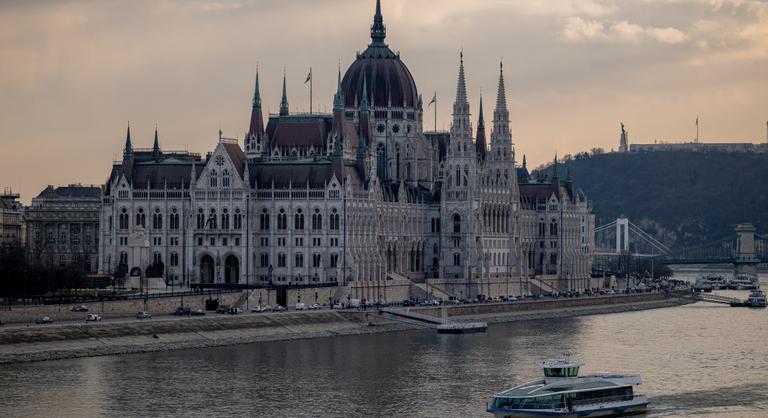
<point>458,176</point>
<point>456,259</point>
<point>238,219</point>
<point>298,220</point>
<point>317,220</point>
<point>200,219</point>
<point>282,220</point>
<point>214,178</point>
<point>141,218</point>
<point>466,175</point>
<point>124,218</point>
<point>335,220</point>
<point>264,220</point>
<point>174,219</point>
<point>553,258</point>
<point>225,219</point>
<point>212,219</point>
<point>157,219</point>
<point>456,223</point>
<point>225,178</point>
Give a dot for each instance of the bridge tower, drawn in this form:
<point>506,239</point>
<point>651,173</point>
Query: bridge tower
<point>622,235</point>
<point>746,261</point>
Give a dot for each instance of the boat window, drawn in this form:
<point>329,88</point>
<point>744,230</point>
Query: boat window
<point>539,402</point>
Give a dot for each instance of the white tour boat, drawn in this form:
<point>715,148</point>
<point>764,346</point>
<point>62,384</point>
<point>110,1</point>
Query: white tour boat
<point>743,282</point>
<point>563,393</point>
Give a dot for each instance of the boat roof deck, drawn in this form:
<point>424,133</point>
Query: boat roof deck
<point>541,388</point>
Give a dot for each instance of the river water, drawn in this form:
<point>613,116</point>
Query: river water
<point>699,359</point>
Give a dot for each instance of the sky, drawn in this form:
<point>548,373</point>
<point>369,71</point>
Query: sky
<point>74,72</point>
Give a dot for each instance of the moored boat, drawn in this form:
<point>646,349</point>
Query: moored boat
<point>743,282</point>
<point>563,393</point>
<point>756,299</point>
<point>462,327</point>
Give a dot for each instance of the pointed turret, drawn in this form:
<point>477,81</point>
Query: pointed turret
<point>338,98</point>
<point>257,93</point>
<point>461,131</point>
<point>378,30</point>
<point>525,165</point>
<point>461,86</point>
<point>480,145</point>
<point>256,128</point>
<point>284,100</point>
<point>501,138</point>
<point>156,146</point>
<point>128,149</point>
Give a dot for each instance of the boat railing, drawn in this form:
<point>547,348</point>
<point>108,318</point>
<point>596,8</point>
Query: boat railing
<point>607,399</point>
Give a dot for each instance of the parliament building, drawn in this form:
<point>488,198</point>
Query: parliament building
<point>362,200</point>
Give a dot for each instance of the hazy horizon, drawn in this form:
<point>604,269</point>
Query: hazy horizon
<point>75,71</point>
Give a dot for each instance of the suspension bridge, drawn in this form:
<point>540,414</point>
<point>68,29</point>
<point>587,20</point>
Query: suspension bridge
<point>621,241</point>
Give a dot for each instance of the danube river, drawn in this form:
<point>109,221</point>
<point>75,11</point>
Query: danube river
<point>700,359</point>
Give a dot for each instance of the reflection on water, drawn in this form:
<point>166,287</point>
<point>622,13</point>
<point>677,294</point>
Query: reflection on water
<point>698,359</point>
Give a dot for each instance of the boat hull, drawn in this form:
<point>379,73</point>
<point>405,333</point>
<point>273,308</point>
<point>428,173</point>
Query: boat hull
<point>615,411</point>
<point>461,330</point>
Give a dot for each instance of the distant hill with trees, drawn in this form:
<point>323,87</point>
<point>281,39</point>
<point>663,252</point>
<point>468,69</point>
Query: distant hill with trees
<point>682,198</point>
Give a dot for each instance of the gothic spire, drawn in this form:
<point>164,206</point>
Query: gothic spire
<point>284,101</point>
<point>338,98</point>
<point>378,30</point>
<point>128,150</point>
<point>156,145</point>
<point>257,94</point>
<point>524,163</point>
<point>256,128</point>
<point>501,98</point>
<point>480,146</point>
<point>461,88</point>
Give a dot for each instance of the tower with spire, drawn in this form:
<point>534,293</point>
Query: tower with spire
<point>128,149</point>
<point>254,138</point>
<point>501,137</point>
<point>378,30</point>
<point>284,100</point>
<point>481,148</point>
<point>459,193</point>
<point>156,146</point>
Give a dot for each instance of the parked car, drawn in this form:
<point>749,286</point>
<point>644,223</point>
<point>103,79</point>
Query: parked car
<point>222,309</point>
<point>300,306</point>
<point>408,302</point>
<point>337,306</point>
<point>143,315</point>
<point>261,309</point>
<point>79,308</point>
<point>43,320</point>
<point>235,311</point>
<point>314,306</point>
<point>182,311</point>
<point>197,312</point>
<point>279,308</point>
<point>452,302</point>
<point>92,318</point>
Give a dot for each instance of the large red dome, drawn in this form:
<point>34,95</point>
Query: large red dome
<point>387,78</point>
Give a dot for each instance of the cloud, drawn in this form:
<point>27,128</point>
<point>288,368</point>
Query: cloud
<point>577,29</point>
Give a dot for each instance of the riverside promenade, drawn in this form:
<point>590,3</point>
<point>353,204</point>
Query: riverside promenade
<point>23,343</point>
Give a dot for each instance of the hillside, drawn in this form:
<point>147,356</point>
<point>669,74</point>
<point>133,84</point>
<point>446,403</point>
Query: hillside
<point>685,198</point>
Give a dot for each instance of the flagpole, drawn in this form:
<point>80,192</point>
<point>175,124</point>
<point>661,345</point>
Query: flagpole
<point>310,89</point>
<point>435,111</point>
